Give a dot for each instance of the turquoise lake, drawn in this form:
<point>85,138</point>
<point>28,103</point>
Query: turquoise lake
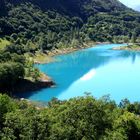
<point>97,70</point>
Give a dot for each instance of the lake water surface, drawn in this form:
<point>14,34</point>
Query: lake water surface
<point>97,70</point>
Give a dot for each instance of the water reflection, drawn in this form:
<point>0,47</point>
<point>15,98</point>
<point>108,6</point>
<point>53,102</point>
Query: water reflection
<point>72,69</point>
<point>89,75</point>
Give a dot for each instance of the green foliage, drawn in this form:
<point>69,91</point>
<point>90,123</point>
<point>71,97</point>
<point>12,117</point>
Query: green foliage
<point>82,118</point>
<point>31,72</point>
<point>133,38</point>
<point>6,105</point>
<point>79,118</point>
<point>4,43</point>
<point>14,67</point>
<point>125,127</point>
<point>11,68</point>
<point>10,73</point>
<point>33,26</point>
<point>26,124</point>
<point>44,25</point>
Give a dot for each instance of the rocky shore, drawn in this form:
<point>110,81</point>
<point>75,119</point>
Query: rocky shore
<point>47,57</point>
<point>29,86</point>
<point>26,85</point>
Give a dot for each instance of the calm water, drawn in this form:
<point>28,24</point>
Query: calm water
<point>98,70</point>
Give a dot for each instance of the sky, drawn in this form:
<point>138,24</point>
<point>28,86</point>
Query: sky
<point>135,4</point>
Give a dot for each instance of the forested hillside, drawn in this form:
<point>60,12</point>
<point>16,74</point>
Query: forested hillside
<point>83,118</point>
<point>31,26</point>
<point>77,8</point>
<point>50,23</point>
<point>28,26</point>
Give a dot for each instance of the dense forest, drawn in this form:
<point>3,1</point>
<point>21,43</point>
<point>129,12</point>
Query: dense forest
<point>83,118</point>
<point>31,26</point>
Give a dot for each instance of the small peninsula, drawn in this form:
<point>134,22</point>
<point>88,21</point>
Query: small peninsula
<point>129,47</point>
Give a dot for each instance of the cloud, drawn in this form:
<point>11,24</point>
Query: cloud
<point>135,4</point>
<point>89,75</point>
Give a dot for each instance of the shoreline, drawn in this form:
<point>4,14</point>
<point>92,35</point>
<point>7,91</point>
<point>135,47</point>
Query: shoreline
<point>27,85</point>
<point>45,81</point>
<point>30,86</point>
<point>129,47</point>
<point>49,55</point>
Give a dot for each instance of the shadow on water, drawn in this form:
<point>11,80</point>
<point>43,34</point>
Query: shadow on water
<point>73,66</point>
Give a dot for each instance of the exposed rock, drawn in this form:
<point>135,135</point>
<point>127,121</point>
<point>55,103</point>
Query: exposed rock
<point>24,85</point>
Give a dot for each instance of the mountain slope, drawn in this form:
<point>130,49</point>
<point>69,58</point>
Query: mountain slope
<point>49,24</point>
<point>75,7</point>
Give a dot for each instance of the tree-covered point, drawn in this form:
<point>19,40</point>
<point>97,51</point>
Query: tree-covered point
<point>83,118</point>
<point>11,68</point>
<point>15,67</point>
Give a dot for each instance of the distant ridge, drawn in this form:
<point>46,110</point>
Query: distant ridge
<point>75,7</point>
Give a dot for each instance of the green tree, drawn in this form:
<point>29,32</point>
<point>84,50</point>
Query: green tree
<point>133,38</point>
